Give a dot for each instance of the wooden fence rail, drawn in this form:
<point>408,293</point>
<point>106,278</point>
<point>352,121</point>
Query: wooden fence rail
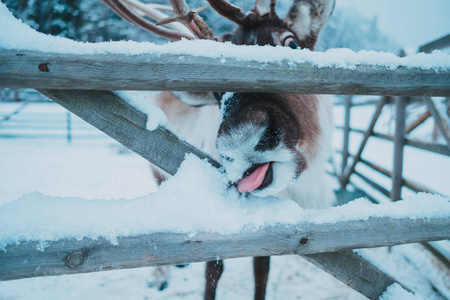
<point>41,70</point>
<point>69,256</point>
<point>124,123</point>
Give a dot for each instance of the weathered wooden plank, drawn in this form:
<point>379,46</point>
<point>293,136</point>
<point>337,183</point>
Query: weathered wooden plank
<point>399,144</point>
<point>407,183</point>
<point>354,271</point>
<point>121,121</point>
<point>436,148</point>
<point>441,43</point>
<point>372,183</point>
<point>31,69</point>
<point>81,256</point>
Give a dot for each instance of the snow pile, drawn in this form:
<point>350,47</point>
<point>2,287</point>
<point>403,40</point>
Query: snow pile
<point>395,291</point>
<point>137,99</point>
<point>420,206</point>
<point>21,37</point>
<point>195,199</point>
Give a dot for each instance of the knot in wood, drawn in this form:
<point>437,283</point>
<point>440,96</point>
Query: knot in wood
<point>44,67</point>
<point>303,241</point>
<point>75,260</point>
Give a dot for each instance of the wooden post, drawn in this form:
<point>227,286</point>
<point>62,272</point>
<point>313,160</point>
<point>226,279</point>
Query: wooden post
<point>399,143</point>
<point>347,107</point>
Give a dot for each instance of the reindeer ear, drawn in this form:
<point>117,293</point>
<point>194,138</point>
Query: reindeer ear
<point>307,18</point>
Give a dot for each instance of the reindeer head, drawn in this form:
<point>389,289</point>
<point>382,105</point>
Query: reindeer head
<point>265,141</point>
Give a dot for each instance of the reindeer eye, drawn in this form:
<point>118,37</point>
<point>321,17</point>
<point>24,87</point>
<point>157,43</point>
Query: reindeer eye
<point>290,42</point>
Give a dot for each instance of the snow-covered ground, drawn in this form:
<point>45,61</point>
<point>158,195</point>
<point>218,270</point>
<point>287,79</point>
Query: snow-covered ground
<point>96,167</point>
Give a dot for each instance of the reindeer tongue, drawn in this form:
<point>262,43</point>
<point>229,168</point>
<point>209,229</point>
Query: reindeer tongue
<point>254,180</point>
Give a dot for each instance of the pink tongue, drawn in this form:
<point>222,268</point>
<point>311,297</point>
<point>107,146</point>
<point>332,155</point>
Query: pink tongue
<point>254,180</point>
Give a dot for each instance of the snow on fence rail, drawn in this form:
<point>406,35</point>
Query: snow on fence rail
<point>327,73</point>
<point>70,256</point>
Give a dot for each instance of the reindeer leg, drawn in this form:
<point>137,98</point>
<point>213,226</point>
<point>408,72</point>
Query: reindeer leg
<point>157,173</point>
<point>214,270</point>
<point>261,271</point>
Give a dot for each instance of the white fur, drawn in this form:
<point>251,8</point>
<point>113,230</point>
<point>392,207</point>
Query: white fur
<point>237,149</point>
<point>312,189</point>
<point>303,26</point>
<point>312,16</point>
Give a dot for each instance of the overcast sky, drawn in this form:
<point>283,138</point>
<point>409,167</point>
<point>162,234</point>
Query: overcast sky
<point>411,22</point>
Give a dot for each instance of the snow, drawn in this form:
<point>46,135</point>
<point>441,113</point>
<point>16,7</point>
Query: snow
<point>195,199</point>
<point>395,291</point>
<point>155,115</point>
<point>21,37</point>
<point>413,266</point>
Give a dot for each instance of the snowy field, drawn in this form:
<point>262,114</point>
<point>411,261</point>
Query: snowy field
<point>93,166</point>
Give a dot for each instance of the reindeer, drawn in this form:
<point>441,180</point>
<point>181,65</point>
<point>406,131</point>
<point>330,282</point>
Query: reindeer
<point>268,144</point>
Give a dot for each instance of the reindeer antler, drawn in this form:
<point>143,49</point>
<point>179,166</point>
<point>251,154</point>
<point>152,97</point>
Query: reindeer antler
<point>134,12</point>
<point>156,12</point>
<point>182,13</point>
<point>227,10</point>
<point>193,25</point>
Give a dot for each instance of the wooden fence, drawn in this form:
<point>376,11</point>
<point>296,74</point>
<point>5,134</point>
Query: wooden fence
<point>80,84</point>
<point>400,138</point>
